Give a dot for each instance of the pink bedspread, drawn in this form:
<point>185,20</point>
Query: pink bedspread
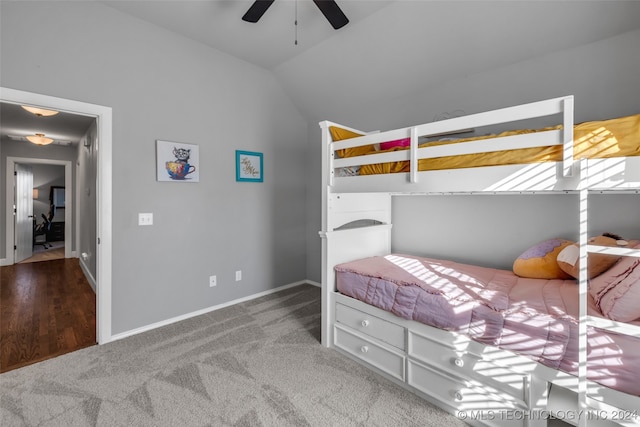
<point>532,317</point>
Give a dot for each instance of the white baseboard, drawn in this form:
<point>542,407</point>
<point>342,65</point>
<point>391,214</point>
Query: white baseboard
<point>4,261</point>
<point>88,275</point>
<point>206,310</point>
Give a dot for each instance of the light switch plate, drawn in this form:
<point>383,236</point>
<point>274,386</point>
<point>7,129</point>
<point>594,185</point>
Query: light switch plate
<point>145,219</point>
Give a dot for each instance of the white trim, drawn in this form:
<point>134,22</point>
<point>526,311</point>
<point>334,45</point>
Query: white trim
<point>88,275</point>
<point>206,310</point>
<point>104,191</point>
<point>11,162</point>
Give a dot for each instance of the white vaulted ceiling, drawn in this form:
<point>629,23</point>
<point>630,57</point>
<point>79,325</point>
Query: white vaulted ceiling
<point>390,47</point>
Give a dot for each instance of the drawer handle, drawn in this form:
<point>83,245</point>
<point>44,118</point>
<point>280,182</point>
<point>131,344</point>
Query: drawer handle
<point>458,362</point>
<point>458,396</point>
<point>364,349</point>
<point>365,323</point>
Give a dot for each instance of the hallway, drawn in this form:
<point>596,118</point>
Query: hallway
<point>47,309</point>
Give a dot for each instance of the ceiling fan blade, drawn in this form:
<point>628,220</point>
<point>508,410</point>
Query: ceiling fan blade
<point>332,12</point>
<point>257,9</point>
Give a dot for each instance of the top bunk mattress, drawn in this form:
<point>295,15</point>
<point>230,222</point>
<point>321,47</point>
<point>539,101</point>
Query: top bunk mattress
<point>618,137</point>
<point>536,318</point>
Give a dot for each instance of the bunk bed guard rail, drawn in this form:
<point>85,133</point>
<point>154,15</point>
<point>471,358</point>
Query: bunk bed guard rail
<point>561,106</point>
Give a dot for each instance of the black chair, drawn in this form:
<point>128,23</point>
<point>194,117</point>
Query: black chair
<point>43,228</point>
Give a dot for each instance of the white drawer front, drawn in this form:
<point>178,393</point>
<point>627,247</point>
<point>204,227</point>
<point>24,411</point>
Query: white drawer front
<point>467,365</point>
<point>371,325</point>
<point>471,399</point>
<point>382,358</point>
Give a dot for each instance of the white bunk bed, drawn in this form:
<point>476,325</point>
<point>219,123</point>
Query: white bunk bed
<point>479,383</point>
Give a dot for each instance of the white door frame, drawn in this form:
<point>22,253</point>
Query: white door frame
<point>11,162</point>
<point>104,192</point>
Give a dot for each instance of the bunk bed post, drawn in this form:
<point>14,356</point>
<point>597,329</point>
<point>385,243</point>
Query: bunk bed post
<point>582,292</point>
<point>327,172</point>
<point>326,179</point>
<point>414,155</point>
<point>567,136</point>
<point>326,303</point>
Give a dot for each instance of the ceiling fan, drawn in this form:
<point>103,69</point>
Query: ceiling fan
<point>329,9</point>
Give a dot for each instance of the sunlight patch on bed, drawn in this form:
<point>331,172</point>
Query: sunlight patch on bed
<point>422,273</point>
<point>597,143</point>
<point>463,292</point>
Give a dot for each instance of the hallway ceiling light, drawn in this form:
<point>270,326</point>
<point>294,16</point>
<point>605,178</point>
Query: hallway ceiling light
<point>39,139</point>
<point>40,112</point>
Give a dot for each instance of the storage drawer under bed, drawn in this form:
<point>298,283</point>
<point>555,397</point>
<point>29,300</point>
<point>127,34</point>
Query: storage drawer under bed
<point>376,327</point>
<point>471,400</point>
<point>464,364</point>
<point>377,355</point>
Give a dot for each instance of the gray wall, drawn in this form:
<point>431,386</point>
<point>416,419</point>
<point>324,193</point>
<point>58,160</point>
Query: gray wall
<point>44,177</point>
<point>162,86</point>
<point>603,76</point>
<point>492,230</point>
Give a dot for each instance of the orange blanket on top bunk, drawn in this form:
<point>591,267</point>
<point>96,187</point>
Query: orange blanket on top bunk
<point>618,137</point>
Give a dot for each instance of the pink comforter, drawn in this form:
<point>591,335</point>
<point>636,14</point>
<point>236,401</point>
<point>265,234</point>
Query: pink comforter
<point>532,317</point>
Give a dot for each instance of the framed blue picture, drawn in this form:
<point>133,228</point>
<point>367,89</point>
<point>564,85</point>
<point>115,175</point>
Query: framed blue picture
<point>249,166</point>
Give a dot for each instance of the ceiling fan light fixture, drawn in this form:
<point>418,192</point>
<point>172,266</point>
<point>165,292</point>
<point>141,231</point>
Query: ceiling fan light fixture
<point>40,112</point>
<point>39,139</point>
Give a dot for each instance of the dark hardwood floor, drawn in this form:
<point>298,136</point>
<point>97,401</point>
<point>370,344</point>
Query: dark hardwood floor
<point>47,309</point>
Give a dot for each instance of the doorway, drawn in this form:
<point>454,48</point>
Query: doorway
<point>48,216</point>
<point>63,214</point>
<point>103,116</point>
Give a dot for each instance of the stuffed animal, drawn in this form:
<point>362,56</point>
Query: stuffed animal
<point>568,259</point>
<point>539,261</point>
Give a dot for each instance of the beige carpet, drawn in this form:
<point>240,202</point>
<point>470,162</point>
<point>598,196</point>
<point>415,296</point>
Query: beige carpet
<point>40,253</point>
<point>258,363</point>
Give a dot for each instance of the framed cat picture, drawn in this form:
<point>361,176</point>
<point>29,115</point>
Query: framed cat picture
<point>176,161</point>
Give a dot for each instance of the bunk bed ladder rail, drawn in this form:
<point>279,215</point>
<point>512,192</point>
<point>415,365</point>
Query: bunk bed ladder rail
<point>585,402</point>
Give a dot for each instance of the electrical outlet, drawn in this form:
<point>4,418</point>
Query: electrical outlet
<point>145,219</point>
<point>238,275</point>
<point>212,281</point>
